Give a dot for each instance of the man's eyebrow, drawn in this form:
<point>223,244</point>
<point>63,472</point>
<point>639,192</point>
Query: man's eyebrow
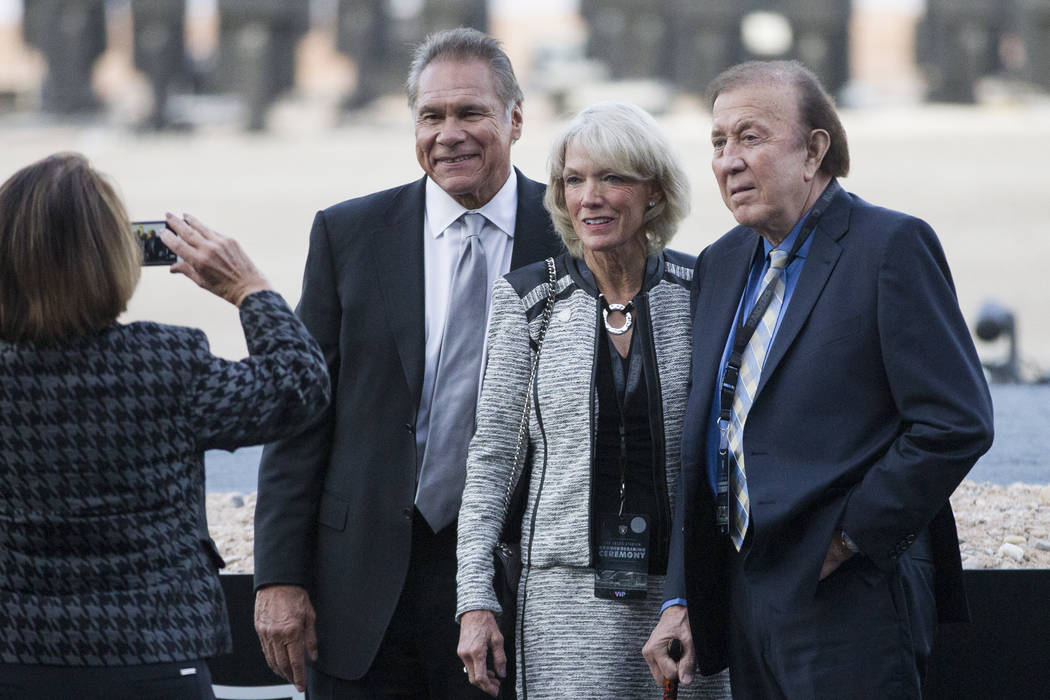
<point>472,107</point>
<point>734,128</point>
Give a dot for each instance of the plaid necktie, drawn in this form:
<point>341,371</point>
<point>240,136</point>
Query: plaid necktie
<point>750,373</point>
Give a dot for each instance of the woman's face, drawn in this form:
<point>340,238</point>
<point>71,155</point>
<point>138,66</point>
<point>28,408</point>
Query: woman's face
<point>607,208</point>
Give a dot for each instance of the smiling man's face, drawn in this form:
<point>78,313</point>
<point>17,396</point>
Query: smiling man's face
<point>463,130</point>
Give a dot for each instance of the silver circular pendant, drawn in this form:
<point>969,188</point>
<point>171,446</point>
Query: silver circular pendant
<point>627,315</point>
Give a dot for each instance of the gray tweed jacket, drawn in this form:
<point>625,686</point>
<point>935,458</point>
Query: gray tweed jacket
<point>104,557</point>
<point>556,528</point>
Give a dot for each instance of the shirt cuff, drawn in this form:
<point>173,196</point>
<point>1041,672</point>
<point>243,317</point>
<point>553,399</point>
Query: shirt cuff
<point>669,603</point>
<point>848,542</point>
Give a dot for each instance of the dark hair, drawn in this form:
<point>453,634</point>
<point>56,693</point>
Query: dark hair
<point>464,44</point>
<point>816,109</point>
<point>68,261</point>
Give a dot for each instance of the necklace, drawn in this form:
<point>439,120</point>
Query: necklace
<point>624,309</point>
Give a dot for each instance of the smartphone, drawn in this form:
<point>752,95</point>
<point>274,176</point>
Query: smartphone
<point>154,252</point>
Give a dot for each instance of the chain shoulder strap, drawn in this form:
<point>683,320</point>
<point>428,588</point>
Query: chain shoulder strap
<point>523,427</point>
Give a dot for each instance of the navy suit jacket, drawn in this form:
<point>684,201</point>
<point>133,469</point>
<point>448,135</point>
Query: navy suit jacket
<point>335,504</point>
<point>872,407</point>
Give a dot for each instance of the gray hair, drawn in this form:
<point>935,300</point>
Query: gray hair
<point>627,140</point>
<point>816,109</point>
<point>465,44</point>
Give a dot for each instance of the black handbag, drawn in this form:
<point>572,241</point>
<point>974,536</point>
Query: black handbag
<point>506,555</point>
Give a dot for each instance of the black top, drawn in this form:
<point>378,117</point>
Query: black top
<point>624,449</point>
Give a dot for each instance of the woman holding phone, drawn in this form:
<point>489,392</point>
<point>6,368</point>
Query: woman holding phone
<point>108,579</point>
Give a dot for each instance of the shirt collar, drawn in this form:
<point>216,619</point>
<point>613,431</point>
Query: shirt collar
<point>788,242</point>
<point>501,210</point>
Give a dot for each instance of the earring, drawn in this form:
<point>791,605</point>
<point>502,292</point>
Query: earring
<point>651,204</point>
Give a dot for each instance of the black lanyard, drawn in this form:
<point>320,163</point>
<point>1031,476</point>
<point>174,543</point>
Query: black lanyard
<point>626,383</point>
<point>745,329</point>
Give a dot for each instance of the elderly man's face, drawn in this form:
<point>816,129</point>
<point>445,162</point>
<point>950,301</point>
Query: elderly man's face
<point>760,158</point>
<point>463,131</point>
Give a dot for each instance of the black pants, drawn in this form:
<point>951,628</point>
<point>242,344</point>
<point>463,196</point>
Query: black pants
<point>180,680</point>
<point>865,634</point>
<point>417,657</point>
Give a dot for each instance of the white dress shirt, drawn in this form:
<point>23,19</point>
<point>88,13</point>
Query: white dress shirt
<point>442,236</point>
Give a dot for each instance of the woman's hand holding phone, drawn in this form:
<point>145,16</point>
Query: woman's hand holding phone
<point>215,262</point>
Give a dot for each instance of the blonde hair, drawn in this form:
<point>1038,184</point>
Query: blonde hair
<point>68,261</point>
<point>627,140</point>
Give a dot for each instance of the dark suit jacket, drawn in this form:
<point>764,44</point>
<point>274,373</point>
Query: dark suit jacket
<point>871,409</point>
<point>335,504</point>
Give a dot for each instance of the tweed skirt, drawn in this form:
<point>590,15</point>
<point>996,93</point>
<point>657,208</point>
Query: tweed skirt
<point>582,647</point>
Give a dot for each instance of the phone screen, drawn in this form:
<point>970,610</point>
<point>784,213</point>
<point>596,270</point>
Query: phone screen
<point>154,252</point>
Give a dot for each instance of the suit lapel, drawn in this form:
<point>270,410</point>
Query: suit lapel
<point>717,305</point>
<point>824,252</point>
<point>398,264</point>
<point>534,237</point>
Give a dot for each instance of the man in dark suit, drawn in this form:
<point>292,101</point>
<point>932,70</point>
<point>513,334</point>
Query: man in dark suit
<point>355,539</point>
<point>829,419</point>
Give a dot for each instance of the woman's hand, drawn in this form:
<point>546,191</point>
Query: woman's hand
<point>213,261</point>
<point>479,634</point>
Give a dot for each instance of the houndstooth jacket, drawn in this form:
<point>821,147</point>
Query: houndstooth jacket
<point>104,553</point>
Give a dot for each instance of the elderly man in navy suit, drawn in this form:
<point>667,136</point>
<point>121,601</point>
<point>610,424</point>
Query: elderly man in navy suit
<point>836,402</point>
<point>355,545</point>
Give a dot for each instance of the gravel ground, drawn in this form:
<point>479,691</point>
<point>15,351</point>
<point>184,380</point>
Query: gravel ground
<point>1003,527</point>
<point>1000,527</point>
<point>231,520</point>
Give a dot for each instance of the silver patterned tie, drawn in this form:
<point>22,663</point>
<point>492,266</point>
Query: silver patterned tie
<point>750,372</point>
<point>444,470</point>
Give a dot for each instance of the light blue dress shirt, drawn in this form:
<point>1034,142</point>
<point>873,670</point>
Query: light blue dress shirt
<point>747,302</point>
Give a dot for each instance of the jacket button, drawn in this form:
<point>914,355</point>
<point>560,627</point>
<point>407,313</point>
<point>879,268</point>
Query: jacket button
<point>410,428</point>
<point>406,513</point>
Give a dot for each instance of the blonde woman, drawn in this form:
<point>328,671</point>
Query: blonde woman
<point>603,440</point>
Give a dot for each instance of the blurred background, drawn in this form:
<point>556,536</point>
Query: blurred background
<point>253,114</point>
